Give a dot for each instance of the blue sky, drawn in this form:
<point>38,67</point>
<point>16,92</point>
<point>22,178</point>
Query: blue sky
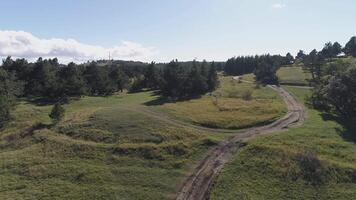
<point>162,30</point>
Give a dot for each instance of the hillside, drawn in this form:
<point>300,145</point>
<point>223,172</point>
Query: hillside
<point>315,161</point>
<point>111,147</point>
<point>293,75</point>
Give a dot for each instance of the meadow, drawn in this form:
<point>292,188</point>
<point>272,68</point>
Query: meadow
<point>315,161</point>
<point>234,105</point>
<point>293,75</point>
<point>107,148</point>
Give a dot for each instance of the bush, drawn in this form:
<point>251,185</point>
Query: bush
<point>310,167</point>
<point>246,95</point>
<point>57,113</point>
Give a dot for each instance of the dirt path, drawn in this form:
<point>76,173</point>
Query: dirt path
<point>196,186</point>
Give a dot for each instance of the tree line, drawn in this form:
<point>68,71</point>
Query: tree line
<point>49,80</point>
<point>264,67</point>
<point>333,80</point>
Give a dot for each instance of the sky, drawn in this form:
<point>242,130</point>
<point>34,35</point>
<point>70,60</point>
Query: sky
<point>162,30</point>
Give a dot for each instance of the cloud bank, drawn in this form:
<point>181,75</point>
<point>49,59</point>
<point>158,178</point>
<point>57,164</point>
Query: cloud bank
<point>279,5</point>
<point>25,45</point>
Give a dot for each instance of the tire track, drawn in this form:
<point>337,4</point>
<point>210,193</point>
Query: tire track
<point>196,186</point>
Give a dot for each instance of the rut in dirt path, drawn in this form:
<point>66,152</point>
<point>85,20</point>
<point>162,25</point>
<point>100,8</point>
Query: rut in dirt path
<point>196,186</point>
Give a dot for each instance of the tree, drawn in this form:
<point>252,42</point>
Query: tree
<point>350,47</point>
<point>328,51</point>
<point>98,80</point>
<point>195,83</point>
<point>301,55</point>
<point>73,83</point>
<point>57,113</point>
<point>337,49</point>
<point>289,59</point>
<point>173,79</point>
<point>152,76</point>
<point>43,80</point>
<point>119,78</point>
<point>213,80</point>
<point>313,63</point>
<point>266,73</point>
<point>10,88</point>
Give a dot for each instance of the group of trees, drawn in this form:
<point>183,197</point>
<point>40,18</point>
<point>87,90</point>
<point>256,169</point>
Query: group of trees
<point>10,87</point>
<point>335,91</point>
<point>264,67</point>
<point>334,81</point>
<point>48,79</point>
<point>181,81</point>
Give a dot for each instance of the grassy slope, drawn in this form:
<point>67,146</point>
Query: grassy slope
<point>293,75</point>
<point>226,108</point>
<point>101,150</point>
<point>271,167</point>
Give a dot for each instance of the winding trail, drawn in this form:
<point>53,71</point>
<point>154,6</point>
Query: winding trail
<point>196,186</point>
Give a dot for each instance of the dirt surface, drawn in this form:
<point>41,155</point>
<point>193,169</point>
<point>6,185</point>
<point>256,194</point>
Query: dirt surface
<point>196,186</point>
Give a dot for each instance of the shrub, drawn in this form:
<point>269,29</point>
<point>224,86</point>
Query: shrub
<point>310,167</point>
<point>246,95</point>
<point>57,113</point>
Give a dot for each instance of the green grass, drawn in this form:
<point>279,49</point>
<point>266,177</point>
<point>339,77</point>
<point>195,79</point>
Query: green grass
<point>107,148</point>
<point>230,106</point>
<point>276,166</point>
<point>101,150</point>
<point>293,75</point>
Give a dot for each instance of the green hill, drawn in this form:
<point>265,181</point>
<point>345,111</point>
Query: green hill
<point>315,161</point>
<point>293,75</point>
<point>112,147</point>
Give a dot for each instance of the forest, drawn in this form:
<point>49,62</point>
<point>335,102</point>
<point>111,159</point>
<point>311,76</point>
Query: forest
<point>48,80</point>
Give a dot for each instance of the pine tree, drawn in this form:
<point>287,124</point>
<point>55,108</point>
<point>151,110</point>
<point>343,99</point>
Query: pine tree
<point>213,81</point>
<point>57,113</point>
<point>350,47</point>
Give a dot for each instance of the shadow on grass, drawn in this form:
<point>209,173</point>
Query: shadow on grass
<point>42,101</point>
<point>348,129</point>
<point>161,100</point>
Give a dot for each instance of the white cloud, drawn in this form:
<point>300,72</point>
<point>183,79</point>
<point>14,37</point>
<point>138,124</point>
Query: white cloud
<point>279,5</point>
<point>25,45</point>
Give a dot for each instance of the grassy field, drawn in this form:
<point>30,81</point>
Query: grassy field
<point>100,151</point>
<point>293,75</point>
<point>315,161</point>
<point>106,148</point>
<point>233,105</point>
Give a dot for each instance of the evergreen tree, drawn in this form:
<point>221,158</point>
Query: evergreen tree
<point>328,51</point>
<point>313,63</point>
<point>119,78</point>
<point>98,80</point>
<point>289,59</point>
<point>9,89</point>
<point>196,83</point>
<point>173,79</point>
<point>301,55</point>
<point>213,80</point>
<point>266,73</point>
<point>350,47</point>
<point>73,83</point>
<point>152,76</point>
<point>57,113</point>
<point>337,49</point>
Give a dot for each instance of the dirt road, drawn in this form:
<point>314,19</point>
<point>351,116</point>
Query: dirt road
<point>197,185</point>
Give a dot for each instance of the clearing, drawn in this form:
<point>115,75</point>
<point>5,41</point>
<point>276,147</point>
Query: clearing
<point>109,147</point>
